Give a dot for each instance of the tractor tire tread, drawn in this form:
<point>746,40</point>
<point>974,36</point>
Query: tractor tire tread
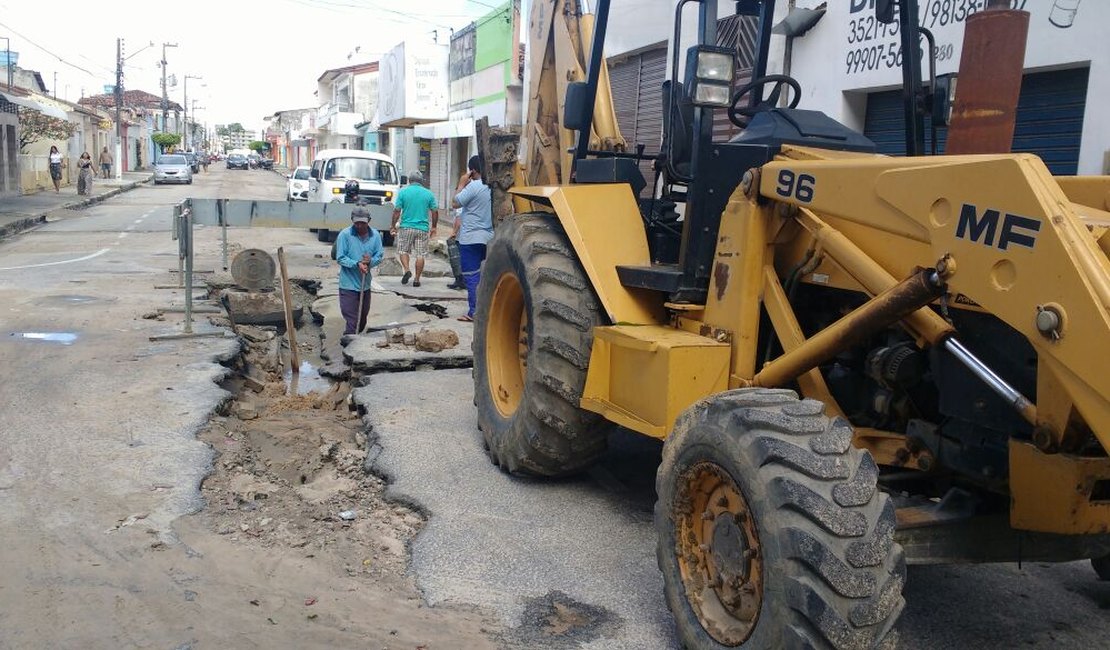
<point>549,434</point>
<point>837,573</point>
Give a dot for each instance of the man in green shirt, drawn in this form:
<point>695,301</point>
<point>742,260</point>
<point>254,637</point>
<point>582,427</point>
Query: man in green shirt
<point>414,205</point>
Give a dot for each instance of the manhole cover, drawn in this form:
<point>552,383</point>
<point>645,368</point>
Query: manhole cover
<point>253,269</point>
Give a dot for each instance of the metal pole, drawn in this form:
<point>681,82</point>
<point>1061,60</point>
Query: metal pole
<point>188,216</point>
<point>184,133</point>
<point>165,99</point>
<point>119,101</point>
<point>223,235</point>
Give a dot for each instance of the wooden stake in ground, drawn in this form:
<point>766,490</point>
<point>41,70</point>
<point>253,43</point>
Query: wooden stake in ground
<point>287,298</point>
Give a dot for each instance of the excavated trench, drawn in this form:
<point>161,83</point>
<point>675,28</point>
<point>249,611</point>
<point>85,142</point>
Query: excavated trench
<point>288,472</point>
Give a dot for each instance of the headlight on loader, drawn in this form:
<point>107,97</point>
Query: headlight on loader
<point>709,72</point>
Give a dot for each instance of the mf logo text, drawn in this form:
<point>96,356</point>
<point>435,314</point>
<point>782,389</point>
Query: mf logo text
<point>982,227</point>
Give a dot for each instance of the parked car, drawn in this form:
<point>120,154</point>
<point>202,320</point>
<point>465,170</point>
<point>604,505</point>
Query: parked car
<point>237,161</point>
<point>296,188</point>
<point>266,163</point>
<point>173,168</point>
<point>194,161</point>
<point>254,159</point>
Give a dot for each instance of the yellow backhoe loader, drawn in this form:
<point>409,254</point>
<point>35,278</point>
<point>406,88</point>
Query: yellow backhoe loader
<point>855,361</point>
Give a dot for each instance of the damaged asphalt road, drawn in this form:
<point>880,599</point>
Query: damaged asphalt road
<point>571,563</point>
<point>503,541</point>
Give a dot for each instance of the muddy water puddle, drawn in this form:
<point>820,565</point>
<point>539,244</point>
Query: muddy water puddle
<point>306,380</point>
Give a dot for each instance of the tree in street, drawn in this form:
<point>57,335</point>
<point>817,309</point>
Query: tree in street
<point>35,126</point>
<point>164,140</point>
<point>256,145</point>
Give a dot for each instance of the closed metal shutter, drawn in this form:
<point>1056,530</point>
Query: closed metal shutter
<point>637,84</point>
<point>438,177</point>
<point>1049,119</point>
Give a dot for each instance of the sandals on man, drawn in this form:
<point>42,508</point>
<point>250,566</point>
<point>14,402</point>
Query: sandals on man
<point>466,319</point>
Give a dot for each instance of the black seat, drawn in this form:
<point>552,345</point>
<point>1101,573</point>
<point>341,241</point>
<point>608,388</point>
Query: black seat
<point>678,127</point>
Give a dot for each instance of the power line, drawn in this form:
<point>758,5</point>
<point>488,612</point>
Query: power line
<point>72,65</point>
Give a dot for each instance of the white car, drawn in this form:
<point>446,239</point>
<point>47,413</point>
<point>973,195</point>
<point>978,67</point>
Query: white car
<point>172,168</point>
<point>297,185</point>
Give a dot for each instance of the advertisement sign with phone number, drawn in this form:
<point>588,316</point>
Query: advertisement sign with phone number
<point>872,45</point>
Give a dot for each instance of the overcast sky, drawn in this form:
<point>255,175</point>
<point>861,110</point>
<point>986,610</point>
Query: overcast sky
<point>255,56</point>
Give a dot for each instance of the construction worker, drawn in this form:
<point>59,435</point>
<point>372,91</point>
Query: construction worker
<point>357,249</point>
<point>473,228</point>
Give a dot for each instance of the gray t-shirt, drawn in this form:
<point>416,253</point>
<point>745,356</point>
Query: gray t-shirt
<point>477,214</point>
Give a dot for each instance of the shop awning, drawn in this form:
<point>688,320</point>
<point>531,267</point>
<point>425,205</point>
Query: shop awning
<point>35,106</point>
<point>448,129</point>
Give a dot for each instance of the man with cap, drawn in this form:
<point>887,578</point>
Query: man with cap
<point>357,249</point>
<point>413,206</point>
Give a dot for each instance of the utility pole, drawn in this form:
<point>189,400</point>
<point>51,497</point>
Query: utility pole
<point>165,90</point>
<point>119,103</point>
<point>55,88</point>
<point>185,129</point>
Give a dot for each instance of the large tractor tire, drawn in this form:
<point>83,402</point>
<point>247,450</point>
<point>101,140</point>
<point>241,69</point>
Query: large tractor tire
<point>771,530</point>
<point>1101,566</point>
<point>533,329</point>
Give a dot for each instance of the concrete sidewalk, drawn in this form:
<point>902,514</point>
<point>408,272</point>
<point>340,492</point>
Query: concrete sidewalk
<point>18,213</point>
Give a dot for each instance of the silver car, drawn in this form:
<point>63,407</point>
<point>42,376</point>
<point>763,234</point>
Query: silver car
<point>173,168</point>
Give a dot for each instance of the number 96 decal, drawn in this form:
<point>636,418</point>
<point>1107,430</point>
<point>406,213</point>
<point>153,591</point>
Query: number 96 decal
<point>796,186</point>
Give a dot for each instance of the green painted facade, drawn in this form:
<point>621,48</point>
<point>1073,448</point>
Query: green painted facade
<point>494,39</point>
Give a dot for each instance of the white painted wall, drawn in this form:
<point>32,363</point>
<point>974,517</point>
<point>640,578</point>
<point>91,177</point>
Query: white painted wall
<point>829,61</point>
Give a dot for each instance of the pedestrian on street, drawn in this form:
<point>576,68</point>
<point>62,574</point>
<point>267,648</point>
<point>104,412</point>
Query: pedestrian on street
<point>105,163</point>
<point>55,167</point>
<point>413,207</point>
<point>473,228</point>
<point>84,174</point>
<point>357,249</point>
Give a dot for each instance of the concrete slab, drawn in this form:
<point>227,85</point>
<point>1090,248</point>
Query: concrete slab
<point>429,289</point>
<point>364,355</point>
<point>504,541</point>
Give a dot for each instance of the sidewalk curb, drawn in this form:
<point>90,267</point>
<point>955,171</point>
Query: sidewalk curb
<point>16,227</point>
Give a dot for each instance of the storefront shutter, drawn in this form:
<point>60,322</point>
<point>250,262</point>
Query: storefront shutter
<point>1049,119</point>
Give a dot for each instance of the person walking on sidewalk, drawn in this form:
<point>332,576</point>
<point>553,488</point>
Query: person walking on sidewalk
<point>414,205</point>
<point>357,249</point>
<point>473,228</point>
<point>84,174</point>
<point>105,163</point>
<point>55,167</point>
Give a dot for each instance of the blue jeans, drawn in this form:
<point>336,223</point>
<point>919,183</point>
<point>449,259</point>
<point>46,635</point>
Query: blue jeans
<point>471,256</point>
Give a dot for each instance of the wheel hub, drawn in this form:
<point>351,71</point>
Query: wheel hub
<point>718,554</point>
<point>507,344</point>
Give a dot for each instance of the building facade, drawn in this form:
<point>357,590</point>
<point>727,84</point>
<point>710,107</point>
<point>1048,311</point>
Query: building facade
<point>848,66</point>
<point>348,98</point>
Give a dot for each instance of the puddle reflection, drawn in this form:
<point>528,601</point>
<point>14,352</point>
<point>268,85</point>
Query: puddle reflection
<point>65,338</point>
<point>308,380</point>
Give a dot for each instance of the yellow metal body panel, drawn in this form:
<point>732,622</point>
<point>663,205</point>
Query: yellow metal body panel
<point>1051,493</point>
<point>1013,237</point>
<point>736,283</point>
<point>1091,191</point>
<point>644,377</point>
<point>604,227</point>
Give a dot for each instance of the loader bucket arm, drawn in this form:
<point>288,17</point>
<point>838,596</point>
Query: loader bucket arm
<point>1015,245</point>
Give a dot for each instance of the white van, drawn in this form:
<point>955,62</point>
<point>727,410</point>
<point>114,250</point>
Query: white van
<point>377,177</point>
